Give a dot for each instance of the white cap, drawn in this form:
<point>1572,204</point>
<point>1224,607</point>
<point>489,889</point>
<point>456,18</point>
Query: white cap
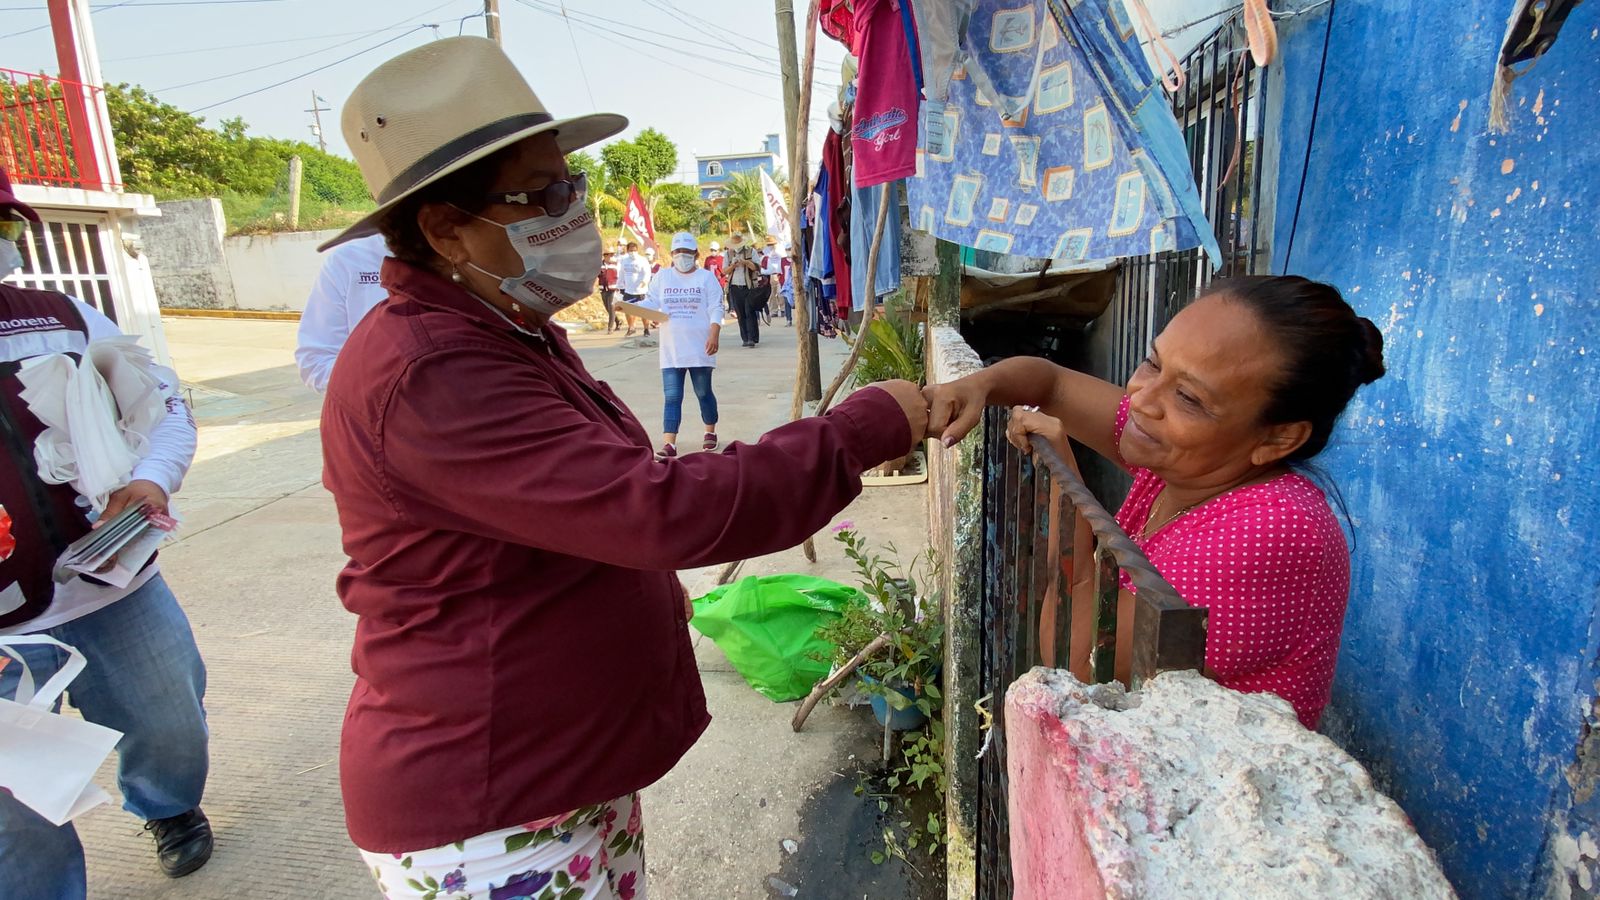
<point>683,240</point>
<point>715,246</point>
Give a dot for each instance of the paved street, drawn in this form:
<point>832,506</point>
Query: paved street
<point>255,570</point>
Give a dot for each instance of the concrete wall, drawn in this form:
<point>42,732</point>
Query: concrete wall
<point>1467,677</point>
<point>955,524</point>
<point>184,249</point>
<point>1187,790</point>
<point>275,271</point>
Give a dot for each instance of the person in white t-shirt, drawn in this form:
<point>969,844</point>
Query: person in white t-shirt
<point>347,289</point>
<point>692,297</point>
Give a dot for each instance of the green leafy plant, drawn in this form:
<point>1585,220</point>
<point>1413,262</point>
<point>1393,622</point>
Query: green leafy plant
<point>892,348</point>
<point>912,660</point>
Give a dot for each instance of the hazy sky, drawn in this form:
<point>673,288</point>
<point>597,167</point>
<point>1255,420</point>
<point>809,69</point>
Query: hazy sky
<point>704,72</point>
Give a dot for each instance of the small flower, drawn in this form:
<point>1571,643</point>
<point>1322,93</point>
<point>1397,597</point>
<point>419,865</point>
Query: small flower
<point>610,825</point>
<point>635,820</point>
<point>524,885</point>
<point>625,889</point>
<point>846,525</point>
<point>542,824</point>
<point>453,882</point>
<point>579,867</point>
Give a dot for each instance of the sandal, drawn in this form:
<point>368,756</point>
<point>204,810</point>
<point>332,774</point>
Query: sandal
<point>710,441</point>
<point>667,451</point>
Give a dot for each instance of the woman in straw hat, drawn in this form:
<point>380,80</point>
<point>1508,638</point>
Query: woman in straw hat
<point>520,673</point>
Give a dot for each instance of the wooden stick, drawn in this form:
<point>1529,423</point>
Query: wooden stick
<point>826,686</point>
<point>799,191</point>
<point>728,571</point>
<point>869,306</point>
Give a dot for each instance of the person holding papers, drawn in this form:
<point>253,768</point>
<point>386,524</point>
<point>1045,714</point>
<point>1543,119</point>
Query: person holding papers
<point>692,298</point>
<point>145,677</point>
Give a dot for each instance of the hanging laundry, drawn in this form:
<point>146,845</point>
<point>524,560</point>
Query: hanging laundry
<point>863,221</point>
<point>939,23</point>
<point>837,20</point>
<point>1054,141</point>
<point>838,215</point>
<point>883,134</point>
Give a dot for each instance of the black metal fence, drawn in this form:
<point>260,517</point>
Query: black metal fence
<point>1045,532</point>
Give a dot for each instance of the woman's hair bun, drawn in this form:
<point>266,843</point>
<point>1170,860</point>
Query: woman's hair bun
<point>1370,367</point>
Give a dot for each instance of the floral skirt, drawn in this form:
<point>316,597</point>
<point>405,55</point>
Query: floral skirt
<point>594,853</point>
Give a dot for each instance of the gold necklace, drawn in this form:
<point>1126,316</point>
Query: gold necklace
<point>1173,518</point>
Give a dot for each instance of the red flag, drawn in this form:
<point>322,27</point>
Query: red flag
<point>636,217</point>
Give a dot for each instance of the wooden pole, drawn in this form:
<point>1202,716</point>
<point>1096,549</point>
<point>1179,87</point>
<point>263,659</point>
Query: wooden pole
<point>845,671</point>
<point>491,19</point>
<point>809,375</point>
<point>868,308</point>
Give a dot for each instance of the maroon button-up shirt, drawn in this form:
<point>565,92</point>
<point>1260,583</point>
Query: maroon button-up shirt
<point>521,648</point>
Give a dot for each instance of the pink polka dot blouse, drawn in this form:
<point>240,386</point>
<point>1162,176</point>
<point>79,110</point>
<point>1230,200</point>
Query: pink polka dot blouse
<point>1271,564</point>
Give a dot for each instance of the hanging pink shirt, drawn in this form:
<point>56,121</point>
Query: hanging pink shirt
<point>1270,563</point>
<point>883,136</point>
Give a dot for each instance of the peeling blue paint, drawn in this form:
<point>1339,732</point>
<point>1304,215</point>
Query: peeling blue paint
<point>1468,669</point>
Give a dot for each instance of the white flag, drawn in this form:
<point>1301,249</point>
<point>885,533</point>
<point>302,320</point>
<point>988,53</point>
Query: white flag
<point>777,211</point>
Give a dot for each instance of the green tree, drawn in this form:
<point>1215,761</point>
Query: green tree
<point>644,160</point>
<point>678,207</point>
<point>163,150</point>
<point>742,205</point>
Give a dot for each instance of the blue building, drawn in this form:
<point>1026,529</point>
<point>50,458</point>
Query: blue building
<point>715,170</point>
<point>1467,680</point>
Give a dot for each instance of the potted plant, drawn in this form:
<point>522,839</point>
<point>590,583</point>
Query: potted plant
<point>895,639</point>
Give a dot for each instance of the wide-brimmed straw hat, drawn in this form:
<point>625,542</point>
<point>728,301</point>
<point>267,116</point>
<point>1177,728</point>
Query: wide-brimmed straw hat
<point>439,108</point>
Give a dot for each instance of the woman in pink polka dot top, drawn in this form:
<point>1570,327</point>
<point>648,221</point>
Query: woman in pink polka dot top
<point>1239,390</point>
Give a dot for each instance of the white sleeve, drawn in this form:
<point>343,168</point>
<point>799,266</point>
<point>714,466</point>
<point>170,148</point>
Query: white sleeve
<point>325,324</point>
<point>652,295</point>
<point>711,296</point>
<point>172,442</point>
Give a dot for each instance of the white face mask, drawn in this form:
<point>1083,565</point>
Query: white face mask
<point>683,262</point>
<point>10,258</point>
<point>560,260</point>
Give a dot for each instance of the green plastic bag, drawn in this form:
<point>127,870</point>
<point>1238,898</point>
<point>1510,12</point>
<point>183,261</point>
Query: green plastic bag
<point>766,625</point>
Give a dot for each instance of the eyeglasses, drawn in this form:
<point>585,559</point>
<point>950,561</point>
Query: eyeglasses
<point>12,229</point>
<point>554,198</point>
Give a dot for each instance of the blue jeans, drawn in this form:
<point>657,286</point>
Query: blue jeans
<point>672,382</point>
<point>145,679</point>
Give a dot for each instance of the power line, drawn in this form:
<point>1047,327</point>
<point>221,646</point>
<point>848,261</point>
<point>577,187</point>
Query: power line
<point>47,24</point>
<point>363,34</point>
<point>217,47</point>
<point>579,56</point>
<point>312,72</point>
<point>104,7</point>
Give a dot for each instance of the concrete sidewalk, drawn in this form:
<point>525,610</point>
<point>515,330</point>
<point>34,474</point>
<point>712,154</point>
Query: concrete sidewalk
<point>255,571</point>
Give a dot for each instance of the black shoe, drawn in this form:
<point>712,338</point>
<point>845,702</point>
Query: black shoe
<point>183,842</point>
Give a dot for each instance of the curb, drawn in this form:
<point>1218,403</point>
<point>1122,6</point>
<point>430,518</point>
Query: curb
<point>263,314</point>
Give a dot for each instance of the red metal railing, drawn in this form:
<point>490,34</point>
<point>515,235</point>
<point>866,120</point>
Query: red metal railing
<point>50,131</point>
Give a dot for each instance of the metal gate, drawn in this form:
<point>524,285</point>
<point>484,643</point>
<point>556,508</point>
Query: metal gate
<point>69,254</point>
<point>1028,532</point>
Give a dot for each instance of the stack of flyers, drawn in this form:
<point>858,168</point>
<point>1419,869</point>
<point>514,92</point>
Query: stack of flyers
<point>117,550</point>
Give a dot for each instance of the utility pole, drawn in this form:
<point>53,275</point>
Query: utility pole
<point>316,110</point>
<point>491,17</point>
<point>810,374</point>
<point>295,173</point>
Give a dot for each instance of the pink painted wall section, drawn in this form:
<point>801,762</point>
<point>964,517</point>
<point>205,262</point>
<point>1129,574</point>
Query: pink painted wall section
<point>1048,801</point>
<point>1188,791</point>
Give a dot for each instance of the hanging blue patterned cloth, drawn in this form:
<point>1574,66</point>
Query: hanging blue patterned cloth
<point>1055,140</point>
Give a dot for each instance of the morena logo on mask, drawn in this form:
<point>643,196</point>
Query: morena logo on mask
<point>558,231</point>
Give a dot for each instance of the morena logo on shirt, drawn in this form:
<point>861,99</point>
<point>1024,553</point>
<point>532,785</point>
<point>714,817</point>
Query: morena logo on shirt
<point>877,129</point>
<point>367,278</point>
<point>40,323</point>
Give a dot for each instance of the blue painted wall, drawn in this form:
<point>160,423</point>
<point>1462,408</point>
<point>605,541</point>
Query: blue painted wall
<point>1467,678</point>
<point>730,166</point>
